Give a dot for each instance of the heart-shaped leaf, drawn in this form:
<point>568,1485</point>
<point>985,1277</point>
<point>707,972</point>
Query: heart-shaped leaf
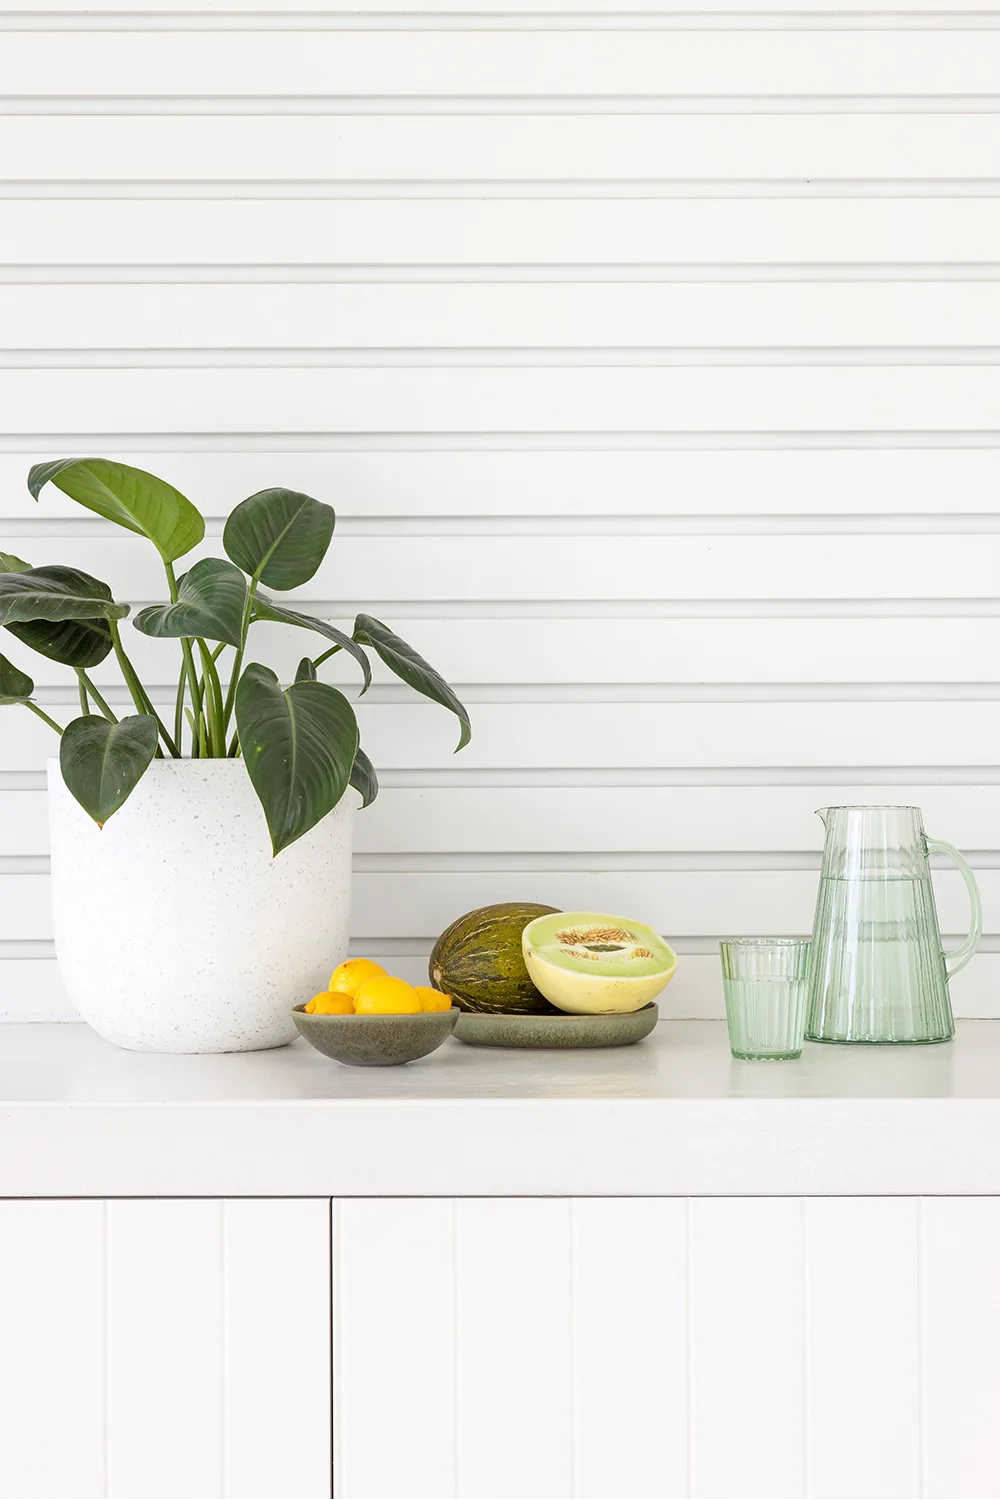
<point>210,601</point>
<point>55,593</point>
<point>414,671</point>
<point>266,609</point>
<point>15,686</point>
<point>299,746</point>
<point>102,763</point>
<point>363,778</point>
<point>73,643</point>
<point>306,670</point>
<point>279,537</point>
<point>130,497</point>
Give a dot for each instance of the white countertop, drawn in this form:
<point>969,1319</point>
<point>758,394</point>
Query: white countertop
<point>674,1114</point>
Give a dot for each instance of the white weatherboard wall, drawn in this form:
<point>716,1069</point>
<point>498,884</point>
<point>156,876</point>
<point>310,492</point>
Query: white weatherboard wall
<point>652,362</point>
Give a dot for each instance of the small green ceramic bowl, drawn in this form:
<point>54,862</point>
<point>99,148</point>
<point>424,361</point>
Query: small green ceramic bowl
<point>376,1041</point>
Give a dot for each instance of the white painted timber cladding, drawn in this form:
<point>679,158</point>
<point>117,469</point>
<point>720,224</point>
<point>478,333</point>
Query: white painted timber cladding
<point>165,1349</point>
<point>709,1347</point>
<point>652,363</point>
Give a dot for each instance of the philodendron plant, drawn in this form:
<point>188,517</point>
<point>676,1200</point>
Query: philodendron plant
<point>300,743</point>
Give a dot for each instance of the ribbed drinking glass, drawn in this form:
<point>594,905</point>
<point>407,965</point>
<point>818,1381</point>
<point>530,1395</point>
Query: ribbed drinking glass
<point>765,985</point>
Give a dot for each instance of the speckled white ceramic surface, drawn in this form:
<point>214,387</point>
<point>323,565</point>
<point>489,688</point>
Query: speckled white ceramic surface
<point>176,930</point>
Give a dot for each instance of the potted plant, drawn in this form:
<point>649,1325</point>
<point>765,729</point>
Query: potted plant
<point>200,857</point>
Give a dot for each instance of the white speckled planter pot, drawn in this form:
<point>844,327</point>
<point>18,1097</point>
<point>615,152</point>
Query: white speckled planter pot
<point>176,931</point>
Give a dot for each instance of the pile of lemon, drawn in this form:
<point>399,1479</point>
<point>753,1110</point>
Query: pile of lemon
<point>360,987</point>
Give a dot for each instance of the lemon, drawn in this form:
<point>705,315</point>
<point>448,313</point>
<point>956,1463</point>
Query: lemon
<point>383,995</point>
<point>347,978</point>
<point>326,1004</point>
<point>432,999</point>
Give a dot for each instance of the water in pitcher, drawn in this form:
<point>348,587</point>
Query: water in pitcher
<point>878,973</point>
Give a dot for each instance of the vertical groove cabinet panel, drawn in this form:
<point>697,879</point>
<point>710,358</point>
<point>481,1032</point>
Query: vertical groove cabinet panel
<point>629,1347</point>
<point>513,1342</point>
<point>394,1348</point>
<point>746,1347</point>
<point>51,1349</point>
<point>164,1352</point>
<point>862,1348</point>
<point>276,1348</point>
<point>960,1276</point>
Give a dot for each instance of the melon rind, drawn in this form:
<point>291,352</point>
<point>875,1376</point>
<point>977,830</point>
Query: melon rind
<point>575,977</point>
<point>478,960</point>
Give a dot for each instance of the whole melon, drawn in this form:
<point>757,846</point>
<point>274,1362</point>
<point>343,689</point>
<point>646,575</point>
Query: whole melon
<point>479,962</point>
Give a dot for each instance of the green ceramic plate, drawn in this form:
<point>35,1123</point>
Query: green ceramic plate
<point>618,1030</point>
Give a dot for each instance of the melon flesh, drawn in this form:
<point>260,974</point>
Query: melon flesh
<point>589,963</point>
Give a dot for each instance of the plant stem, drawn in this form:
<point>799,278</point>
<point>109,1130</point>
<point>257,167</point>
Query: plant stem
<point>188,654</point>
<point>139,695</point>
<point>179,707</point>
<point>227,712</point>
<point>108,713</point>
<point>319,660</point>
<point>84,700</point>
<point>43,715</point>
<point>213,703</point>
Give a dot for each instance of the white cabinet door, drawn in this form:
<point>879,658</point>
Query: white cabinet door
<point>165,1348</point>
<point>665,1347</point>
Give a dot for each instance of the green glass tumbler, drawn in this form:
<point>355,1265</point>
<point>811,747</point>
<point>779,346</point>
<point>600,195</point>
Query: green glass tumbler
<point>765,981</point>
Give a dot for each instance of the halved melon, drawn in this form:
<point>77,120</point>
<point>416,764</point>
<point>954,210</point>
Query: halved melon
<point>589,963</point>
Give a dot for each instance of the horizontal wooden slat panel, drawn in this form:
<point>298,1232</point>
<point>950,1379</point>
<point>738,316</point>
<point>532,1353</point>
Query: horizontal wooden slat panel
<point>397,148</point>
<point>544,315</point>
<point>520,63</point>
<point>31,990</point>
<point>645,736</point>
<point>512,8</point>
<point>479,399</point>
<point>559,567</point>
<point>696,903</point>
<point>644,482</point>
<point>645,650</point>
<point>500,231</point>
<point>500,820</point>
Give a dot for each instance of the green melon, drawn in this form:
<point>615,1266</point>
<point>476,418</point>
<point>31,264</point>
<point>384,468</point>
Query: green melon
<point>478,960</point>
<point>589,963</point>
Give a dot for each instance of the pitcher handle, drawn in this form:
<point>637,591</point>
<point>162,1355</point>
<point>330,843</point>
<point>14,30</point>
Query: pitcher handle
<point>958,960</point>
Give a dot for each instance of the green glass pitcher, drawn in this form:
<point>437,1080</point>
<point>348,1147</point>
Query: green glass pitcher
<point>877,971</point>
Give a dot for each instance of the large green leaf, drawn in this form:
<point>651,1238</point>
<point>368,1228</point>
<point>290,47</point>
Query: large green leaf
<point>73,643</point>
<point>266,609</point>
<point>102,763</point>
<point>15,686</point>
<point>210,602</point>
<point>364,779</point>
<point>299,746</point>
<point>130,497</point>
<point>414,671</point>
<point>279,537</point>
<point>55,593</point>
